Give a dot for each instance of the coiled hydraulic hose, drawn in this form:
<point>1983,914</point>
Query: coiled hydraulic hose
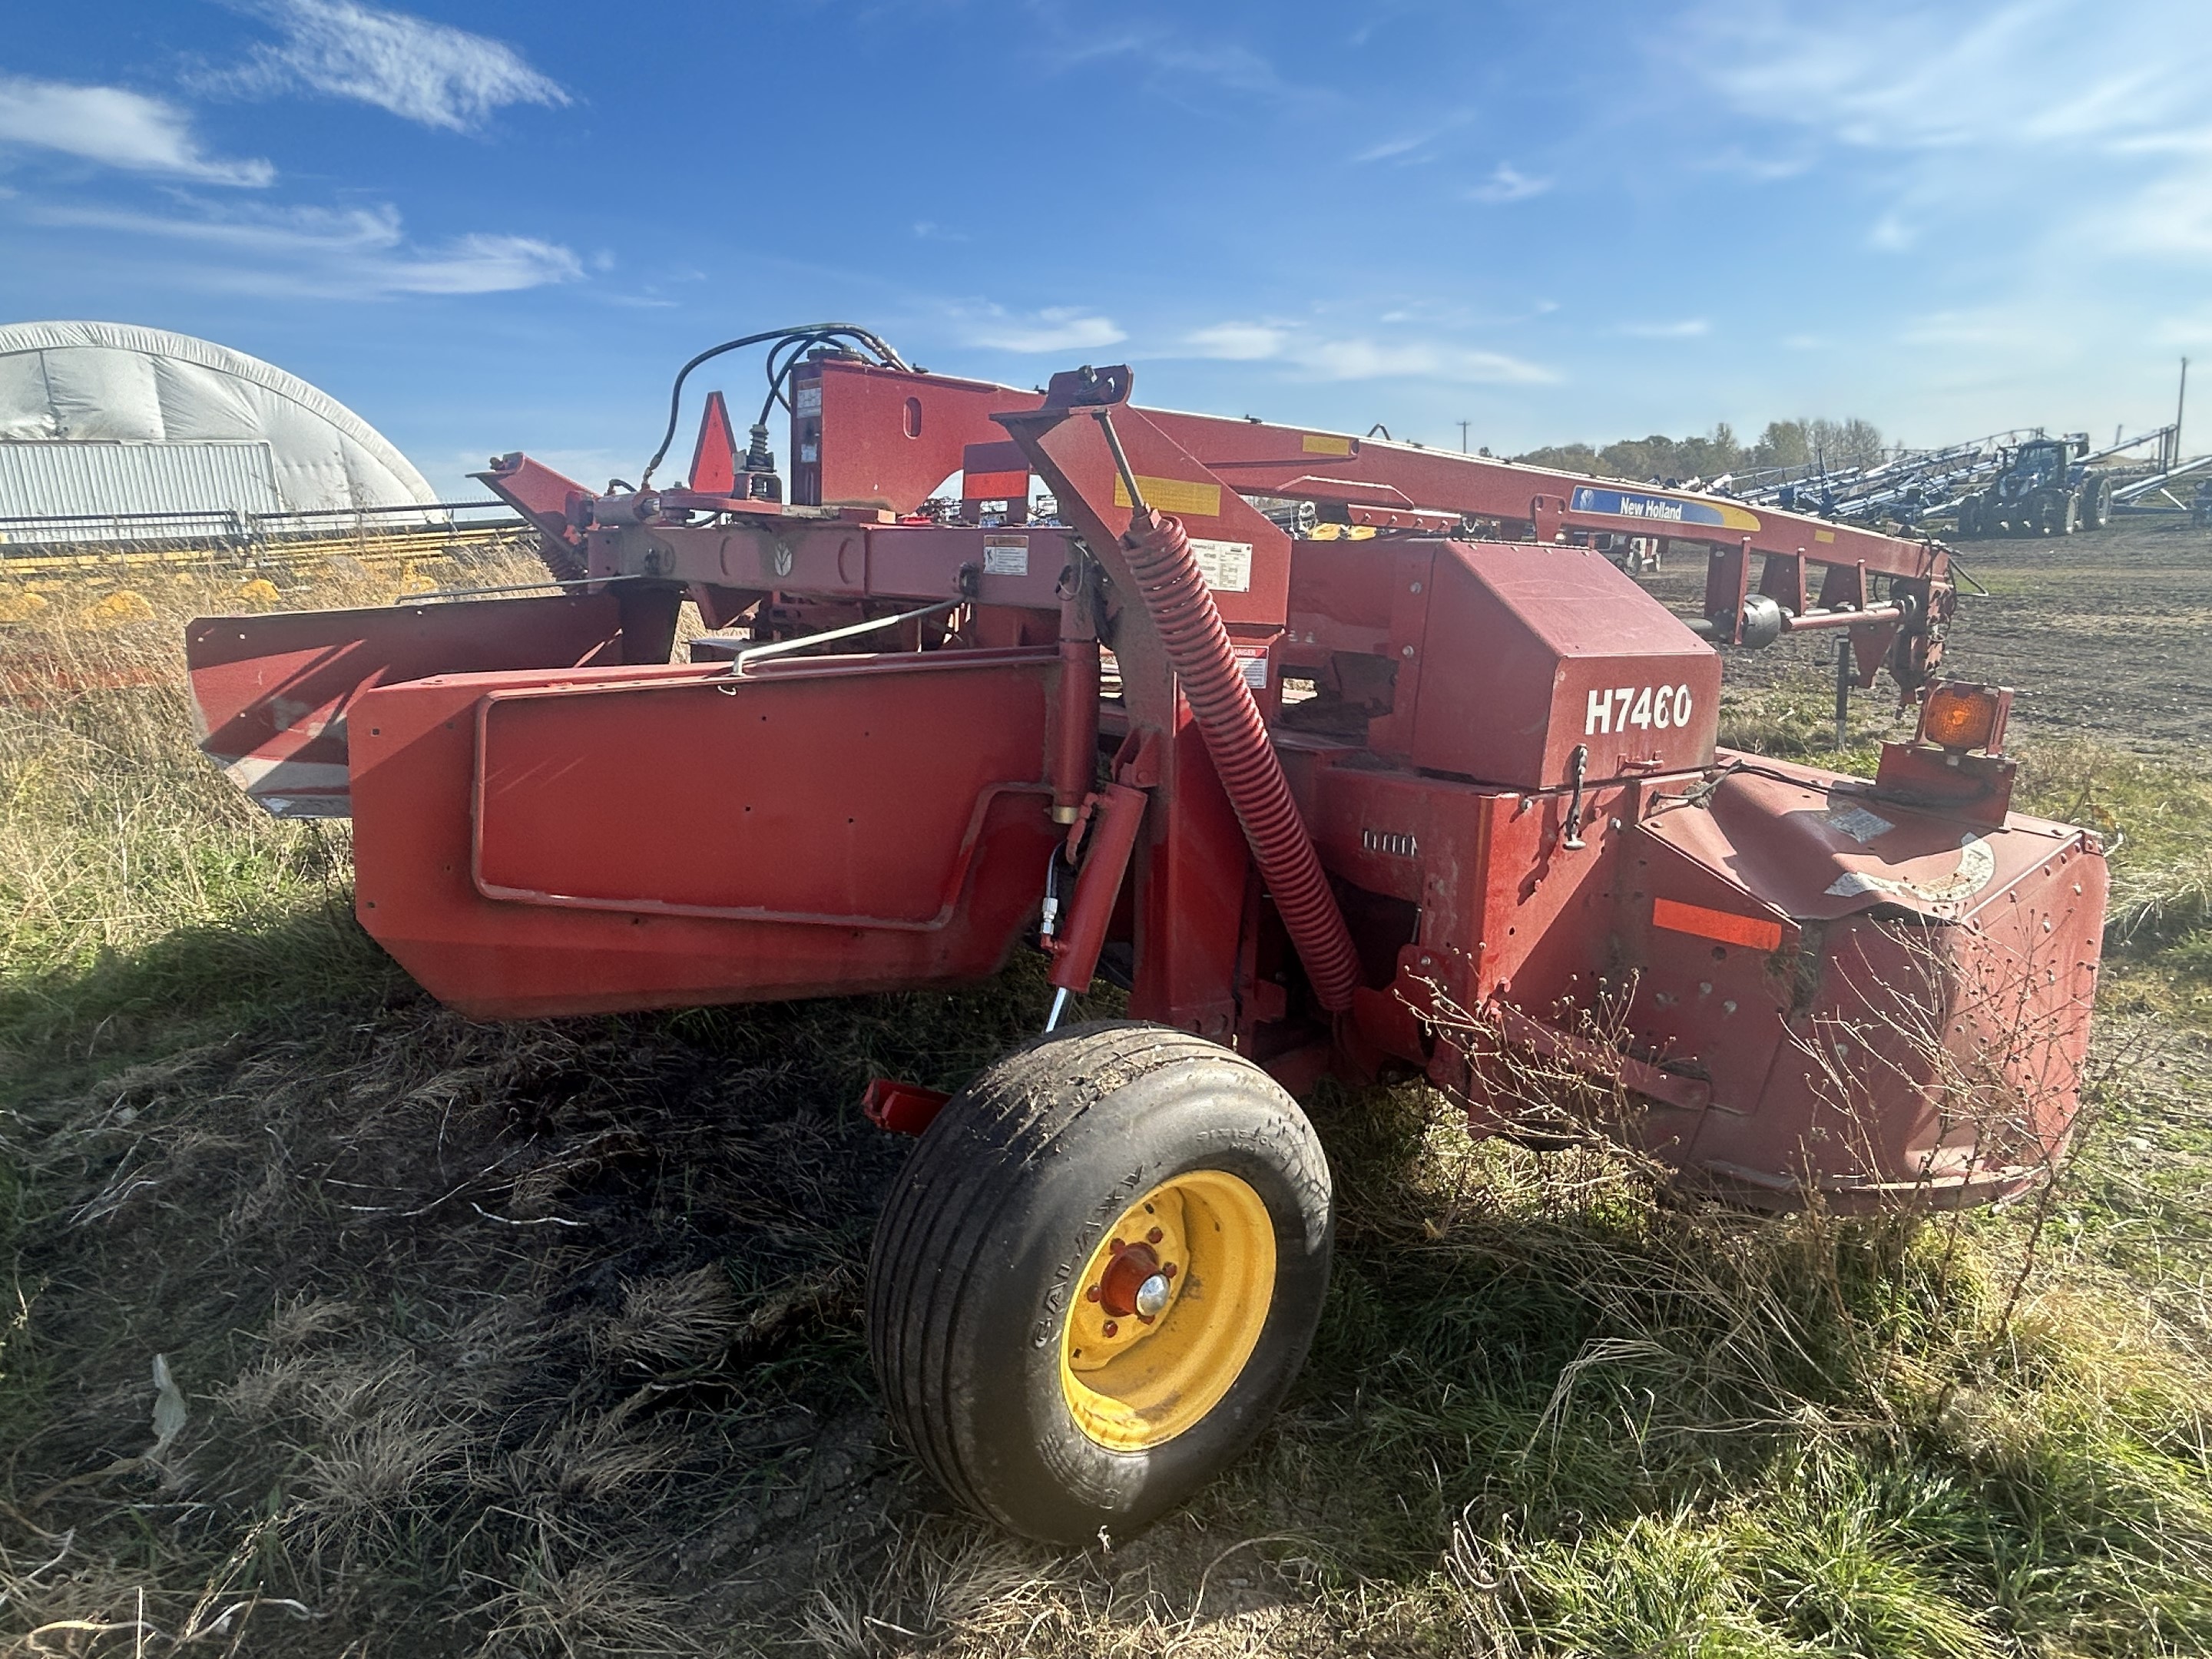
<point>1183,609</point>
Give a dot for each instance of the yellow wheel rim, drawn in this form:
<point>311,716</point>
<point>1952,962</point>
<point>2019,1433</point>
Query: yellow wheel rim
<point>1169,1308</point>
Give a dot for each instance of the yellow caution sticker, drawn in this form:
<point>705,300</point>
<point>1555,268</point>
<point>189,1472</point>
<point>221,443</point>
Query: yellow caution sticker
<point>1324,443</point>
<point>1824,535</point>
<point>1177,495</point>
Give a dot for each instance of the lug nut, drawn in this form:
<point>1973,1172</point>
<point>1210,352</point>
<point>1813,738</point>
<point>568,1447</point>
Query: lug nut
<point>1090,1295</point>
<point>1114,1247</point>
<point>1112,1329</point>
<point>1167,1270</point>
<point>1154,1236</point>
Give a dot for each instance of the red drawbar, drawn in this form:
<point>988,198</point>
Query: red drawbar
<point>1754,931</point>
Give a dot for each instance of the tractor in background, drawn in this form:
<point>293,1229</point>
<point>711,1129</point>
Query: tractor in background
<point>2043,490</point>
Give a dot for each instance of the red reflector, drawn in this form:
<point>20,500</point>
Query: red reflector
<point>995,486</point>
<point>1755,932</point>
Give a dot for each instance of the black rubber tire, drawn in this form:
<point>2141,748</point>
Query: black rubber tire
<point>991,1222</point>
<point>2097,501</point>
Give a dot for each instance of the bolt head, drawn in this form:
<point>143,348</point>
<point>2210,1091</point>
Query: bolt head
<point>1152,1296</point>
<point>1090,1295</point>
<point>1112,1329</point>
<point>1154,1236</point>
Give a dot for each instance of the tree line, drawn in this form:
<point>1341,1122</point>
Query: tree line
<point>1807,447</point>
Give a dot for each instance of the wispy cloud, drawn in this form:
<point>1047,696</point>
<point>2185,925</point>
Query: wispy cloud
<point>117,128</point>
<point>1507,183</point>
<point>361,252</point>
<point>1984,110</point>
<point>1689,328</point>
<point>1165,55</point>
<point>1369,360</point>
<point>1235,341</point>
<point>928,230</point>
<point>1416,148</point>
<point>1359,357</point>
<point>1056,328</point>
<point>419,70</point>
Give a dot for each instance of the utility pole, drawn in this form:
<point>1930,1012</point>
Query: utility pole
<point>2180,403</point>
<point>1462,436</point>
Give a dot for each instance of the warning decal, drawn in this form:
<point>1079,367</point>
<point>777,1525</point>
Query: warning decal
<point>1173,496</point>
<point>1006,555</point>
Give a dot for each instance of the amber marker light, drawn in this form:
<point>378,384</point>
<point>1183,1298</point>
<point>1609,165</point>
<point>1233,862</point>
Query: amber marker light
<point>1962,717</point>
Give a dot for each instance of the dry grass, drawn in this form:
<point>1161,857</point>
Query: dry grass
<point>544,1339</point>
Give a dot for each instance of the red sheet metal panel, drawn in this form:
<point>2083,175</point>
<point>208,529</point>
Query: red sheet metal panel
<point>1916,1030</point>
<point>273,692</point>
<point>628,870</point>
<point>1529,653</point>
<point>799,796</point>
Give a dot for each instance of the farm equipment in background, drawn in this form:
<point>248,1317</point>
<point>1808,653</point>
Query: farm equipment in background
<point>2043,490</point>
<point>1341,758</point>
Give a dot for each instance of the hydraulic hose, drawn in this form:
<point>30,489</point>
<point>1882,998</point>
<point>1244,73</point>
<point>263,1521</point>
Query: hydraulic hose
<point>1183,609</point>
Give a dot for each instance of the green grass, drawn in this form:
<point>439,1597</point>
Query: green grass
<point>547,1338</point>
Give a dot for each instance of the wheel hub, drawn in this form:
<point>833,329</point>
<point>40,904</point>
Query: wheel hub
<point>1172,1302</point>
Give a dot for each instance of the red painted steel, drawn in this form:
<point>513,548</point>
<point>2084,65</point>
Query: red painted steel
<point>273,692</point>
<point>903,1108</point>
<point>1112,837</point>
<point>1168,581</point>
<point>1344,474</point>
<point>1495,839</point>
<point>626,838</point>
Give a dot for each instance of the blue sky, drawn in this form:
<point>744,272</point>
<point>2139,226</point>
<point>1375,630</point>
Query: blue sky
<point>502,225</point>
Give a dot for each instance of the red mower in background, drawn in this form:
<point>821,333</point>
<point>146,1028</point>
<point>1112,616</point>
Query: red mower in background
<point>1341,757</point>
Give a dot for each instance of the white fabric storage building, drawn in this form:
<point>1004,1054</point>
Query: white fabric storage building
<point>104,419</point>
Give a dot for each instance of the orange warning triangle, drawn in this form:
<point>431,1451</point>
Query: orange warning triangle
<point>714,462</point>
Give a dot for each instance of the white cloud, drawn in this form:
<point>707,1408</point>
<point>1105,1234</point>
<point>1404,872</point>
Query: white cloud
<point>1416,148</point>
<point>1235,341</point>
<point>1057,328</point>
<point>1360,358</point>
<point>361,252</point>
<point>1507,183</point>
<point>1390,150</point>
<point>419,70</point>
<point>115,128</point>
<point>1689,328</point>
<point>2085,126</point>
<point>1164,56</point>
<point>1369,360</point>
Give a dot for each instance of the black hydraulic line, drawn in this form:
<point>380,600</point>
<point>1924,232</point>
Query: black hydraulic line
<point>872,341</point>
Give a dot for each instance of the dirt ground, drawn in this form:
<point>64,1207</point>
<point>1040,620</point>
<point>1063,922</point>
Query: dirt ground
<point>2106,635</point>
